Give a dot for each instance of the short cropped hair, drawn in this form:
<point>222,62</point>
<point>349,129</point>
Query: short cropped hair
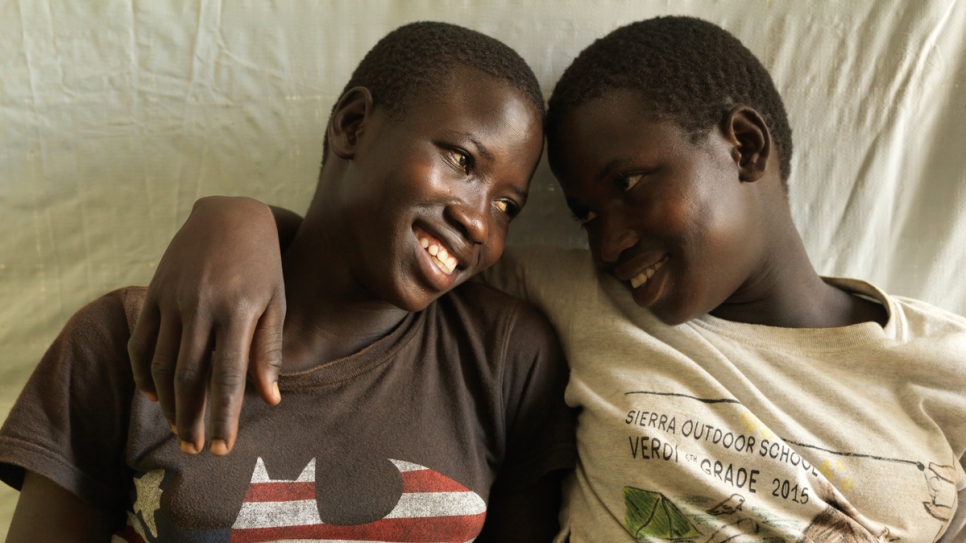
<point>415,60</point>
<point>690,72</point>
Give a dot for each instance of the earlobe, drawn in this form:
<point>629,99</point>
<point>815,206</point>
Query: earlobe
<point>748,133</point>
<point>349,119</point>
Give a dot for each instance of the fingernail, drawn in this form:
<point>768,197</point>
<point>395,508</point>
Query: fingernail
<point>275,392</point>
<point>188,448</point>
<point>174,429</point>
<point>151,396</point>
<point>218,447</point>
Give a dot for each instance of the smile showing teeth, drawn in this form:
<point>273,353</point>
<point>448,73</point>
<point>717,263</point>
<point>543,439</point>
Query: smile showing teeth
<point>439,255</point>
<point>642,277</point>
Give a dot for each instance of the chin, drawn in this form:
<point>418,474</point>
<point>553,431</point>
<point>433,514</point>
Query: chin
<point>414,299</point>
<point>412,306</point>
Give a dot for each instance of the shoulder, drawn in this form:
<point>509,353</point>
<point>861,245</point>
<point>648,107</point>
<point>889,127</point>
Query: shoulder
<point>545,262</point>
<point>112,314</point>
<point>497,312</point>
<point>919,319</point>
<point>548,277</point>
<point>909,319</point>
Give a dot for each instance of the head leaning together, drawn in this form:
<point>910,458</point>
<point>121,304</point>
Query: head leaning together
<point>673,149</point>
<point>429,153</point>
<point>416,59</point>
<point>689,71</point>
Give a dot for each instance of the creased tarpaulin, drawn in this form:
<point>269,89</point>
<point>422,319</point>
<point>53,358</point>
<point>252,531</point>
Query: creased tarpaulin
<point>116,115</point>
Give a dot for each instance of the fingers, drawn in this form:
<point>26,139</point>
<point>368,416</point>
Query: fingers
<point>229,366</point>
<point>266,353</point>
<point>140,348</point>
<point>163,365</point>
<point>191,384</point>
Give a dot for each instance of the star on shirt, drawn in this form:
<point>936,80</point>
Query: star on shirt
<point>149,498</point>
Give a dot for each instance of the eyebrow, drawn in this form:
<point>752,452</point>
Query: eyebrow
<point>480,148</point>
<point>614,164</point>
<point>523,194</point>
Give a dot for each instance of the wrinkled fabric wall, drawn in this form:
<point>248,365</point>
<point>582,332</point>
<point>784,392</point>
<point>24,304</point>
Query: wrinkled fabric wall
<point>115,115</point>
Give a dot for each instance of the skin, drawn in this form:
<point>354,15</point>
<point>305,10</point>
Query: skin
<point>711,214</point>
<point>456,172</point>
<point>47,512</point>
<point>710,210</point>
<point>454,168</point>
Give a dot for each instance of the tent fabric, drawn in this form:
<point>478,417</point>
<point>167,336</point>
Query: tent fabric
<point>116,115</point>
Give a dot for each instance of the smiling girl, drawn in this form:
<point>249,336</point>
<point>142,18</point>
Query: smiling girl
<point>417,408</point>
<point>727,392</point>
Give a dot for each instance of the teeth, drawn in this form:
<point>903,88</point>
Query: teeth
<point>440,256</point>
<point>443,265</point>
<point>642,277</point>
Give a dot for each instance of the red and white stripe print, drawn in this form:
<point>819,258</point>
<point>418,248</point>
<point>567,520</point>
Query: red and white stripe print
<point>432,508</point>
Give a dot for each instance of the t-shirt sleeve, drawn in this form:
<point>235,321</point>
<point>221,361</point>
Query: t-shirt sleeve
<point>69,423</point>
<point>539,424</point>
<point>507,274</point>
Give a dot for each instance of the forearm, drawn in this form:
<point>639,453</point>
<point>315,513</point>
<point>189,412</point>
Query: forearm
<point>220,279</point>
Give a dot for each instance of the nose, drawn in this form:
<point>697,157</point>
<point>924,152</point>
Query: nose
<point>613,239</point>
<point>472,219</point>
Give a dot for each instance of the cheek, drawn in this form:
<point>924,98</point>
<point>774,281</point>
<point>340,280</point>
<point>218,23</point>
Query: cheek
<point>594,241</point>
<point>415,176</point>
<point>494,247</point>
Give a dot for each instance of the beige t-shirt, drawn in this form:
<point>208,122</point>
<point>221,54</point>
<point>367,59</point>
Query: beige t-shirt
<point>715,431</point>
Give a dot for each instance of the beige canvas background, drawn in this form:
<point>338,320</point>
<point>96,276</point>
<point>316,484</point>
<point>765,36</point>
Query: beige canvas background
<point>115,115</point>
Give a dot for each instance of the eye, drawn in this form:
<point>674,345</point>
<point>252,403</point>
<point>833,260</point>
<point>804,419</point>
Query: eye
<point>510,208</point>
<point>461,160</point>
<point>583,216</point>
<point>627,182</point>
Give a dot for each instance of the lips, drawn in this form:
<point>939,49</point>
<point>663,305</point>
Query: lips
<point>641,278</point>
<point>439,254</point>
<point>633,268</point>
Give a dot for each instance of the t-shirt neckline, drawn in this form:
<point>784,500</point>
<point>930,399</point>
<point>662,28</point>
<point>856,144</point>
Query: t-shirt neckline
<point>379,352</point>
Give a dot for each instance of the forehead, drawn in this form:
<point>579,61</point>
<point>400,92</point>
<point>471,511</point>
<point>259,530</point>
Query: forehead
<point>600,137</point>
<point>474,104</point>
<point>472,91</point>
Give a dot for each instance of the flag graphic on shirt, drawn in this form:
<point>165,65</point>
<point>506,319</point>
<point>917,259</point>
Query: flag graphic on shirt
<point>432,508</point>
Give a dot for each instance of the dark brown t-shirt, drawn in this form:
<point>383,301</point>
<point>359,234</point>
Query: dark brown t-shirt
<point>401,441</point>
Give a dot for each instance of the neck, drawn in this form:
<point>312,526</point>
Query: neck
<point>329,314</point>
<point>786,291</point>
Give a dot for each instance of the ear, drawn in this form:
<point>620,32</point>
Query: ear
<point>349,119</point>
<point>746,130</point>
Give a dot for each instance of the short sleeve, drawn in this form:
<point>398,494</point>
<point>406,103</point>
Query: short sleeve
<point>539,425</point>
<point>507,274</point>
<point>69,423</point>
